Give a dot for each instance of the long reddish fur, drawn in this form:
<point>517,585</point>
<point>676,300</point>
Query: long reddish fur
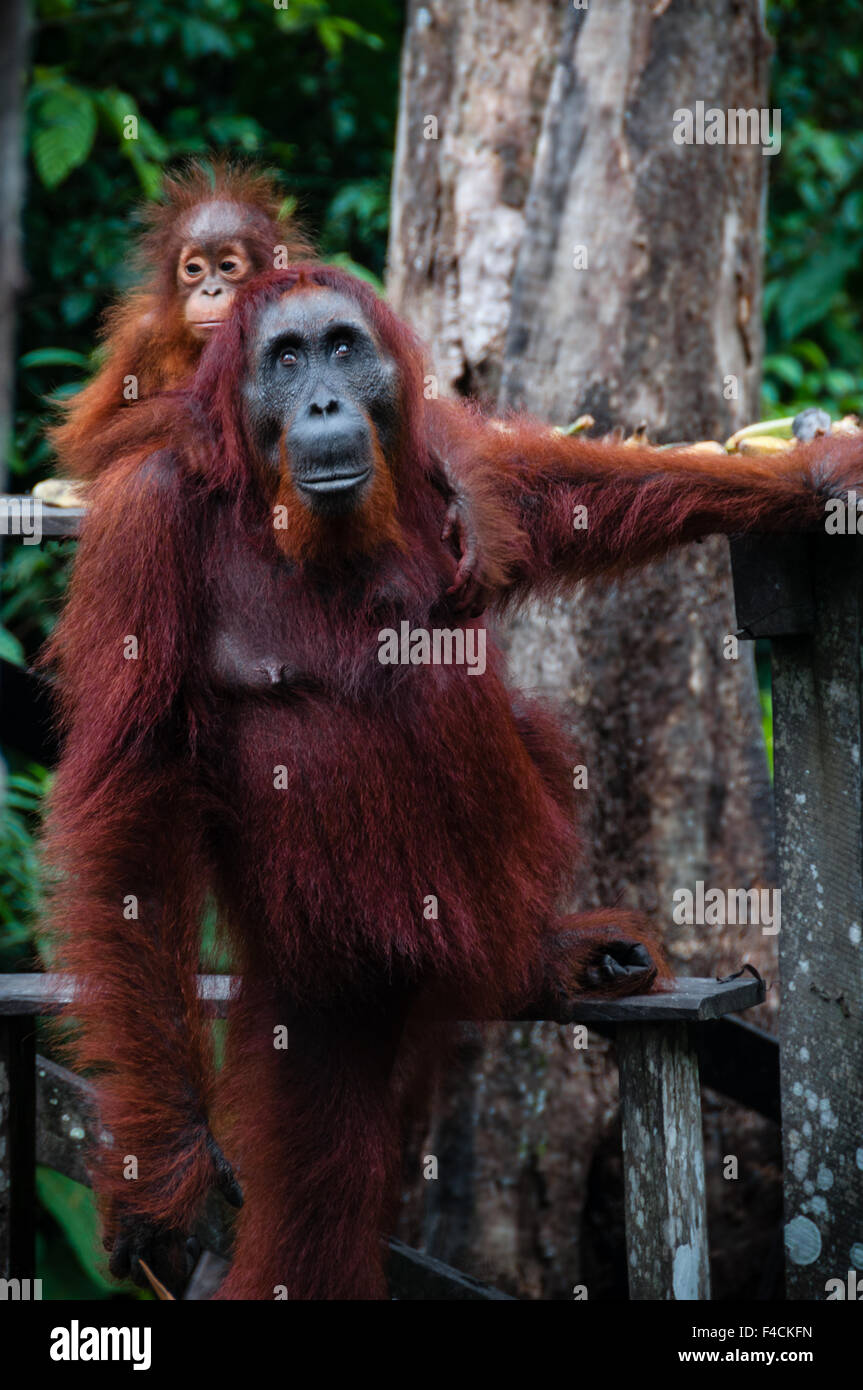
<point>426,780</point>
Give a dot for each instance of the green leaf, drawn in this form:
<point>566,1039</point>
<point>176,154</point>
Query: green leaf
<point>236,130</point>
<point>839,382</point>
<point>74,1209</point>
<point>330,36</point>
<point>812,353</point>
<point>11,649</point>
<point>200,37</point>
<point>787,368</point>
<point>352,30</point>
<point>55,357</point>
<point>344,262</point>
<point>809,295</point>
<point>77,306</point>
<point>117,107</point>
<point>65,127</point>
<point>65,392</point>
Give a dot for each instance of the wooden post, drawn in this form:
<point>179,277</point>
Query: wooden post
<point>17,1146</point>
<point>817,692</point>
<point>663,1151</point>
<point>663,1163</point>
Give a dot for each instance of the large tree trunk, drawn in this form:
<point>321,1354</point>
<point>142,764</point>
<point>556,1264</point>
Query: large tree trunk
<point>555,131</point>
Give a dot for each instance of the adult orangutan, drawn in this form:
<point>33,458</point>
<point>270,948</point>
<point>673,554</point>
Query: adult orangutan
<point>385,842</point>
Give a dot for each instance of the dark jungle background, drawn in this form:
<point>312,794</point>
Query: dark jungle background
<point>311,91</point>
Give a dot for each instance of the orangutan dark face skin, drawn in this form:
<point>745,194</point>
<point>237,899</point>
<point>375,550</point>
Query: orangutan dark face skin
<point>214,261</point>
<point>321,391</point>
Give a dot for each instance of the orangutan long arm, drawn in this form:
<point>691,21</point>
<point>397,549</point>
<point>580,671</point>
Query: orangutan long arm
<point>124,845</point>
<point>551,510</point>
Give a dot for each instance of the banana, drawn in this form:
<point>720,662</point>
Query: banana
<point>706,446</point>
<point>584,422</point>
<point>638,438</point>
<point>779,429</point>
<point>763,444</point>
<point>849,424</point>
<point>59,492</point>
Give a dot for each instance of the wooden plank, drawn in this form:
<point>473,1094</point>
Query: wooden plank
<point>663,1163</point>
<point>34,994</point>
<point>51,993</point>
<point>817,693</point>
<point>54,521</point>
<point>66,1122</point>
<point>206,1277</point>
<point>62,521</point>
<point>413,1275</point>
<point>17,1147</point>
<point>690,1000</point>
<point>772,585</point>
<point>742,1061</point>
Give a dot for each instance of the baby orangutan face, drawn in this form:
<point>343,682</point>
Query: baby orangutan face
<point>215,259</point>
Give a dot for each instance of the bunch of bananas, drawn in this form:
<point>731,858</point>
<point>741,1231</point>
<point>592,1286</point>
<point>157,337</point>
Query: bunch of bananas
<point>764,437</point>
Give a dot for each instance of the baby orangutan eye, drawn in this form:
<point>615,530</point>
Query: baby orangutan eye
<point>193,268</point>
<point>228,267</point>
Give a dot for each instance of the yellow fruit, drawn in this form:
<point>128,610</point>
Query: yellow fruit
<point>584,422</point>
<point>59,492</point>
<point>764,444</point>
<point>779,429</point>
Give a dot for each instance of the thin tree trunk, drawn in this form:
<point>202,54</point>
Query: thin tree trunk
<point>555,132</point>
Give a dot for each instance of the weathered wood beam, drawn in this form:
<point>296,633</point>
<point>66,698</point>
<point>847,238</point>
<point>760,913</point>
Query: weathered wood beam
<point>772,585</point>
<point>688,1001</point>
<point>663,1163</point>
<point>54,521</point>
<point>818,733</point>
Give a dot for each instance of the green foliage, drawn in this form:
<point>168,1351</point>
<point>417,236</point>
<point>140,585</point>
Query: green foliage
<point>25,788</point>
<point>31,586</point>
<point>813,296</point>
<point>63,126</point>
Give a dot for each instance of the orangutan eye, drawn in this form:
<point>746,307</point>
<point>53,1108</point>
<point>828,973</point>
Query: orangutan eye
<point>288,358</point>
<point>193,268</point>
<point>228,267</point>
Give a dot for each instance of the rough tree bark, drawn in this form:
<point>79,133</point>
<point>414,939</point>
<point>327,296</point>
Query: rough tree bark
<point>554,130</point>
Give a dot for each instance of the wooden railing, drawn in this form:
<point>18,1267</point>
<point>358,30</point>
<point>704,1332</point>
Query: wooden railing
<point>47,1115</point>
